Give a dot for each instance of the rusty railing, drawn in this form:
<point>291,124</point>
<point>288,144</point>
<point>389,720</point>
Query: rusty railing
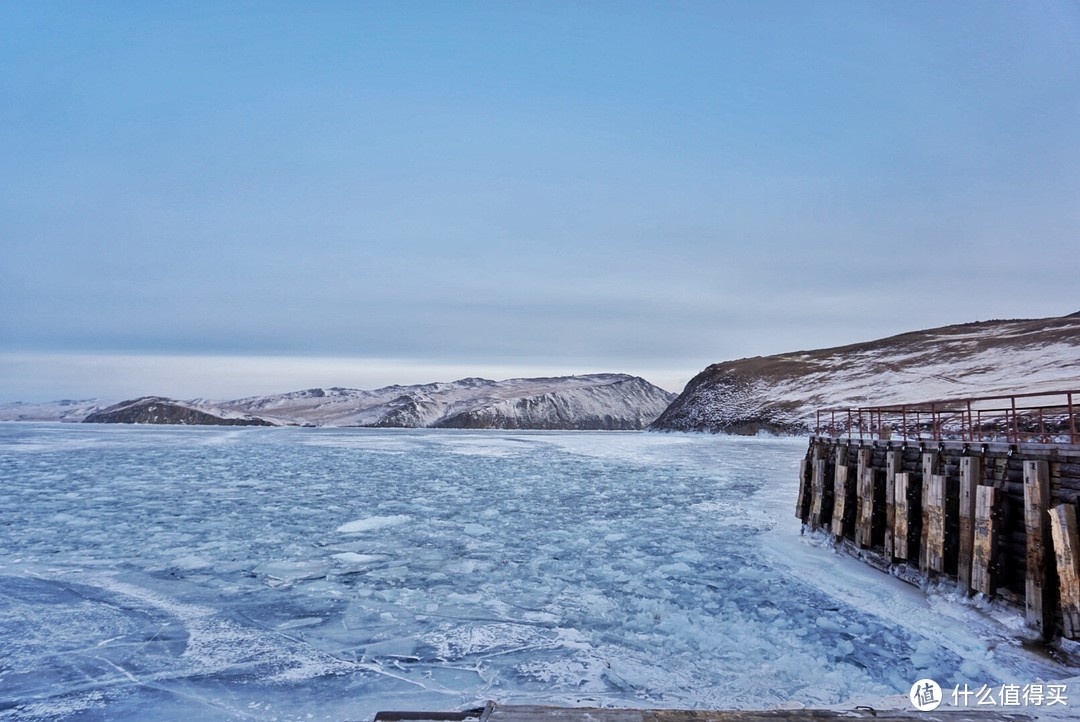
<point>1045,417</point>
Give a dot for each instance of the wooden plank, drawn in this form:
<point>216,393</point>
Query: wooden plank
<point>984,546</point>
<point>538,713</point>
<point>970,474</point>
<point>816,453</point>
<point>865,713</point>
<point>863,458</point>
<point>934,506</point>
<point>914,518</point>
<point>864,525</point>
<point>802,504</point>
<point>893,461</point>
<point>1038,602</point>
<point>864,499</point>
<point>929,465</point>
<point>841,456</point>
<point>902,515</point>
<point>841,492</point>
<point>817,489</point>
<point>1066,540</point>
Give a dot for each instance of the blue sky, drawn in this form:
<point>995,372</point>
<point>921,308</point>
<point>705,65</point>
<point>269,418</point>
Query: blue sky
<point>227,198</point>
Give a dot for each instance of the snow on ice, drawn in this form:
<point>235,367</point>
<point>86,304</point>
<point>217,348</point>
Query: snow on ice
<point>290,574</point>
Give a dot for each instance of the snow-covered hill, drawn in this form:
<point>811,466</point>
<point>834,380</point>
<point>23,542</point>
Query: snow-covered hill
<point>64,410</point>
<point>781,393</point>
<point>596,401</point>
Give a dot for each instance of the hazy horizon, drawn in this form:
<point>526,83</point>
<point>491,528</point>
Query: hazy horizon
<point>233,377</point>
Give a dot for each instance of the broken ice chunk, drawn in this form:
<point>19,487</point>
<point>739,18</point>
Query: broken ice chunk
<point>372,523</point>
<point>291,571</point>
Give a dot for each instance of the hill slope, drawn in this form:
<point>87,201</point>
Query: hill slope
<point>64,410</point>
<point>781,393</point>
<point>596,401</point>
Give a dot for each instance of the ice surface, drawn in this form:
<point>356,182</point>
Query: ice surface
<point>160,573</point>
<point>372,523</point>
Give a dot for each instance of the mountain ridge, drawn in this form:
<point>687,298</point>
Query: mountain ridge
<point>592,401</point>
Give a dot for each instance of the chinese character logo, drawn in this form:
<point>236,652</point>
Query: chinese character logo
<point>925,695</point>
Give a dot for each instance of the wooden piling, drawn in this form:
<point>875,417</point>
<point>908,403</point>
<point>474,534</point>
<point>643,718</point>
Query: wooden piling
<point>1066,540</point>
<point>984,544</point>
<point>817,485</point>
<point>934,505</point>
<point>802,504</point>
<point>902,518</point>
<point>841,491</point>
<point>863,458</point>
<point>934,514</point>
<point>864,525</point>
<point>893,460</point>
<point>970,473</point>
<point>929,465</point>
<point>864,497</point>
<point>1038,602</point>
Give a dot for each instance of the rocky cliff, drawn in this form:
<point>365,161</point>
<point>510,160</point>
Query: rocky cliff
<point>627,404</point>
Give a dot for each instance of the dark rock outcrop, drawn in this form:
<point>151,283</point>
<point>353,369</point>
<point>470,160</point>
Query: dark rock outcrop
<point>626,405</point>
<point>160,410</point>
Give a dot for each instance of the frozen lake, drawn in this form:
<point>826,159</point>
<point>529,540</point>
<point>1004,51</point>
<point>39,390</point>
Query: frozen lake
<point>324,574</point>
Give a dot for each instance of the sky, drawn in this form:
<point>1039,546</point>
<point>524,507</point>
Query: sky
<point>226,198</point>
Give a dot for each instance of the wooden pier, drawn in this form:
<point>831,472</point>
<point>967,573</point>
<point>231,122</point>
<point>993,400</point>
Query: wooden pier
<point>996,518</point>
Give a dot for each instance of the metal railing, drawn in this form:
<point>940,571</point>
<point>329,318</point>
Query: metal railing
<point>1046,417</point>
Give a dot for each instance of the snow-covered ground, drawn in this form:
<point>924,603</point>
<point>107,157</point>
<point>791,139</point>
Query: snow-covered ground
<point>243,573</point>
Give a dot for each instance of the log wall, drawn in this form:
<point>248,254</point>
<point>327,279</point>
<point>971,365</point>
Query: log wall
<point>998,519</point>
